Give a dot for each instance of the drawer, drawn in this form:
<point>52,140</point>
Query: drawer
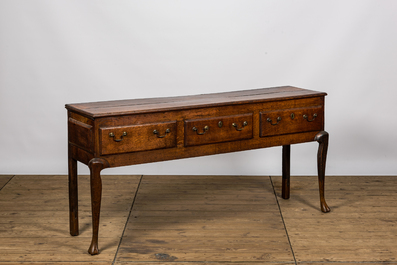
<point>291,121</point>
<point>132,138</point>
<point>218,129</point>
<point>81,134</point>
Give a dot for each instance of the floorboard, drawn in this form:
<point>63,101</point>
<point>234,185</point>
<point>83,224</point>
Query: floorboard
<point>194,220</point>
<point>34,221</point>
<point>203,219</point>
<point>361,226</point>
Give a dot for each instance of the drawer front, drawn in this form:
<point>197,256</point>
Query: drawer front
<point>291,121</point>
<point>124,139</point>
<point>81,134</point>
<point>218,129</point>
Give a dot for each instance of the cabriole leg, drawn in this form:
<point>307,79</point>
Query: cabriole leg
<point>96,165</point>
<point>322,139</point>
<point>285,190</point>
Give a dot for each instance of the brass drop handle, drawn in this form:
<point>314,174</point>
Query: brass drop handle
<point>307,118</point>
<point>245,123</point>
<point>270,120</point>
<point>121,137</point>
<point>205,129</point>
<point>161,136</point>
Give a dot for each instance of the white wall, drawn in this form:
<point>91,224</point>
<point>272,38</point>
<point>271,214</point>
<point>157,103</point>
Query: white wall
<point>57,52</point>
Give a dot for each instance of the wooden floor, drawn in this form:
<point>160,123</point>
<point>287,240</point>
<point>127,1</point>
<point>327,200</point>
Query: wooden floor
<point>193,220</point>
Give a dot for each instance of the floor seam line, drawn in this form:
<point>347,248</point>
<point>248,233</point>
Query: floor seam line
<point>128,218</point>
<point>282,219</point>
<point>7,182</point>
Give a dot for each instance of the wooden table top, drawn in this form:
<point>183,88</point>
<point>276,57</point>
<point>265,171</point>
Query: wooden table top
<point>149,105</point>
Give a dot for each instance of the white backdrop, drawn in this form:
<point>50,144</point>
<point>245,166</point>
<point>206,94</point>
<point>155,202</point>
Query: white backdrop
<point>57,52</point>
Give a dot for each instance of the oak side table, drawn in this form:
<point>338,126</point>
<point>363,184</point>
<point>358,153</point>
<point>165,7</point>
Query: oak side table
<point>129,132</point>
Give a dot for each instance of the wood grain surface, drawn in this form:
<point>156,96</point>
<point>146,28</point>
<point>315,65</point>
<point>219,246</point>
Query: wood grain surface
<point>181,220</point>
<point>362,227</point>
<point>147,105</point>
